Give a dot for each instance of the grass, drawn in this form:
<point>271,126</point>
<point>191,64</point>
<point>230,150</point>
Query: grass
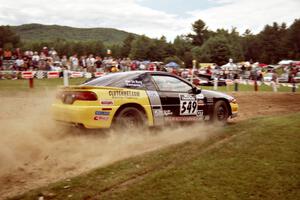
<point>259,160</point>
<point>42,84</point>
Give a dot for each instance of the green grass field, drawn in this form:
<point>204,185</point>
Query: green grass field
<point>253,159</point>
<point>42,84</point>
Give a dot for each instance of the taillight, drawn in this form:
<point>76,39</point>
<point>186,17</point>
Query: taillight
<point>70,97</point>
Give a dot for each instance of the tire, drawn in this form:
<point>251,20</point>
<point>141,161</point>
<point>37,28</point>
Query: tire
<point>129,117</point>
<point>221,112</point>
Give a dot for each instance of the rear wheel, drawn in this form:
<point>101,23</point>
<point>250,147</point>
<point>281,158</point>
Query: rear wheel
<point>221,112</point>
<point>130,117</point>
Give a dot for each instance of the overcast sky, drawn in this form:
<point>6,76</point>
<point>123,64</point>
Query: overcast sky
<point>153,18</point>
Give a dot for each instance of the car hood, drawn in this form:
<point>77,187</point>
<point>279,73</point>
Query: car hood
<point>215,94</point>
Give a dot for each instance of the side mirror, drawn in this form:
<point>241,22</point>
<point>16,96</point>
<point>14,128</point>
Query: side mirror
<point>196,90</point>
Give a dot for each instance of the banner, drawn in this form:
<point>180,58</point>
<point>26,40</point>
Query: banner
<point>53,74</point>
<point>27,74</point>
<point>76,74</point>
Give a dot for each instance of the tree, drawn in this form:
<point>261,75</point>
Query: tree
<point>201,33</point>
<point>8,36</point>
<point>292,40</point>
<point>182,45</point>
<point>235,42</point>
<point>188,59</point>
<point>140,48</point>
<point>272,45</point>
<point>216,50</point>
<point>160,49</point>
<point>126,46</point>
<point>115,51</point>
<point>251,47</point>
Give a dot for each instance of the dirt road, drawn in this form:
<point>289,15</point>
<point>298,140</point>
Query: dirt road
<point>35,152</point>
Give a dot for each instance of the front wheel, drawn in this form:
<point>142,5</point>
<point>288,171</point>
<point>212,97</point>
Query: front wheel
<point>221,112</point>
<point>130,117</point>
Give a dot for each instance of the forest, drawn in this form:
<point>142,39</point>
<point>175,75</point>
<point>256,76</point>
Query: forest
<point>272,44</point>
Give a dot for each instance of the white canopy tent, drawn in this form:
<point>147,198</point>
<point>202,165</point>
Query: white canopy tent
<point>285,62</point>
<point>229,66</point>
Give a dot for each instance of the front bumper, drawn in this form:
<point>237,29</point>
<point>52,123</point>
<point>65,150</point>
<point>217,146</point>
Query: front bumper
<point>234,109</point>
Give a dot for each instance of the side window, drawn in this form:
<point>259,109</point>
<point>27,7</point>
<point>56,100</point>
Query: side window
<point>172,84</point>
<point>140,82</point>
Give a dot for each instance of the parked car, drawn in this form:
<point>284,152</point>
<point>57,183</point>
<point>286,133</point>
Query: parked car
<point>207,80</point>
<point>297,78</point>
<point>283,78</point>
<point>268,77</point>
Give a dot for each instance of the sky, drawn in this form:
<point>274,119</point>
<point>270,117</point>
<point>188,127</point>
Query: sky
<point>153,18</point>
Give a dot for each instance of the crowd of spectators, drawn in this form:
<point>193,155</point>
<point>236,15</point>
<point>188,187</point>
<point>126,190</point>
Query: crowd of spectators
<point>49,60</point>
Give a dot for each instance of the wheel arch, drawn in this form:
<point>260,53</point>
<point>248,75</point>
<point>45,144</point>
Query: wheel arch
<point>226,101</point>
<point>135,105</point>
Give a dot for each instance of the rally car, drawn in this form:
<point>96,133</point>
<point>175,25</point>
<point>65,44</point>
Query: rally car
<point>140,98</point>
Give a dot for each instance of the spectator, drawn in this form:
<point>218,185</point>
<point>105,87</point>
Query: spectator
<point>35,60</point>
<point>98,64</point>
<point>64,62</point>
<point>45,51</point>
<point>90,61</point>
<point>74,62</point>
<point>274,77</point>
<point>52,52</point>
<point>7,54</point>
<point>17,53</point>
<point>19,63</point>
<point>1,53</point>
<point>82,63</point>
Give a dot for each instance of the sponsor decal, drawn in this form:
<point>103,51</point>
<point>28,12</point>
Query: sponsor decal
<point>200,102</point>
<point>199,96</point>
<point>200,113</point>
<point>120,93</point>
<point>158,113</point>
<point>168,112</point>
<point>100,117</point>
<point>133,83</point>
<point>152,94</point>
<point>210,101</point>
<point>188,105</point>
<point>186,118</point>
<point>101,113</point>
<point>161,113</point>
<point>107,102</point>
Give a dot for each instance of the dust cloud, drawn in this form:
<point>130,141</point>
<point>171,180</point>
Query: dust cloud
<point>35,151</point>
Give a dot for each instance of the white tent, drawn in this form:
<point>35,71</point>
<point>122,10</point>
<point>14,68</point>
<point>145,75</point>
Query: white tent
<point>229,66</point>
<point>285,62</point>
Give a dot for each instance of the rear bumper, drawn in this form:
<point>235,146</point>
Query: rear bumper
<point>88,116</point>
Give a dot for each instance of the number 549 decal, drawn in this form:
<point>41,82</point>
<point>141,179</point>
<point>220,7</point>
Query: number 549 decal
<point>188,105</point>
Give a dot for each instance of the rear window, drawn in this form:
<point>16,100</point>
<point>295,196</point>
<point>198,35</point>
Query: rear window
<point>133,80</point>
<point>113,80</point>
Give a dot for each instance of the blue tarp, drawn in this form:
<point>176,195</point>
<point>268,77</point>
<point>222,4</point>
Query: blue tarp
<point>172,65</point>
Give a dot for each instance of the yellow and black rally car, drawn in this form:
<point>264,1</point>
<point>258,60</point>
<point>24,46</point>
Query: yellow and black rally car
<point>140,98</point>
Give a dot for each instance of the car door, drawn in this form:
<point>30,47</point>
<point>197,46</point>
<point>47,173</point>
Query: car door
<point>177,99</point>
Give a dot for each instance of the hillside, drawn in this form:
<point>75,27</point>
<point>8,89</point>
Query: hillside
<point>39,32</point>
